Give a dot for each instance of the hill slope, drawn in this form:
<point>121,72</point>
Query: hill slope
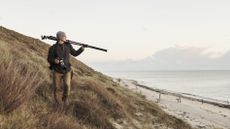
<point>96,102</point>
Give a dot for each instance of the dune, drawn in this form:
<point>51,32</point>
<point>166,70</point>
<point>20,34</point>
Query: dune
<point>96,101</point>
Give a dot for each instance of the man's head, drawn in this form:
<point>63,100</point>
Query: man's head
<point>61,37</point>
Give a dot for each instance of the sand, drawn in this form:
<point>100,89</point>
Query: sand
<point>199,112</point>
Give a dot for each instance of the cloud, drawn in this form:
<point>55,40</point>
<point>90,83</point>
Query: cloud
<point>191,58</point>
<point>174,58</point>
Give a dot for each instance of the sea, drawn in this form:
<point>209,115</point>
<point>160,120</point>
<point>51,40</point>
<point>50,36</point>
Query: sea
<point>213,84</point>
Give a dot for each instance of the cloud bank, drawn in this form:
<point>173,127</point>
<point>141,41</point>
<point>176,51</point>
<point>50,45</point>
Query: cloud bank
<point>173,58</point>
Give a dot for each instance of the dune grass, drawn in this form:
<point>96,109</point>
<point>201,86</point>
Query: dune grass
<point>18,84</point>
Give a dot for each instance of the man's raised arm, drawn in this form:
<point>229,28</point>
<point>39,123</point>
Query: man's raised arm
<point>74,52</point>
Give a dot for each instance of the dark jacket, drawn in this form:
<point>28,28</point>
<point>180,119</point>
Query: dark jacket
<point>58,51</point>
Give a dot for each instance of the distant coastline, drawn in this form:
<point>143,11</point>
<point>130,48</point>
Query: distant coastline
<point>208,85</point>
<point>220,103</point>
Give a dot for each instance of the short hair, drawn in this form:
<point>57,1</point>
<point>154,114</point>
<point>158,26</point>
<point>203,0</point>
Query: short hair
<point>60,34</point>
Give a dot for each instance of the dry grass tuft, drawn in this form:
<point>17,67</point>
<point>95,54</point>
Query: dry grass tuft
<point>18,84</point>
<point>57,120</point>
<point>91,114</point>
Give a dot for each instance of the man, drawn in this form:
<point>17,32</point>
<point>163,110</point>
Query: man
<point>58,58</point>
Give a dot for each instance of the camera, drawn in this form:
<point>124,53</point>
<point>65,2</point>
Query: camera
<point>61,61</point>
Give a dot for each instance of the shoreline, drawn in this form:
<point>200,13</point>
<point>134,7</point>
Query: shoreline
<point>220,103</point>
<point>198,111</point>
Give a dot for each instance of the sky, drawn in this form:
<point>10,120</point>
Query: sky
<point>129,29</point>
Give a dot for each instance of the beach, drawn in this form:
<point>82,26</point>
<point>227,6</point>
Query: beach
<point>200,112</point>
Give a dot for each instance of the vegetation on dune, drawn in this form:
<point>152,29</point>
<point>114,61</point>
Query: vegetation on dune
<point>96,101</point>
